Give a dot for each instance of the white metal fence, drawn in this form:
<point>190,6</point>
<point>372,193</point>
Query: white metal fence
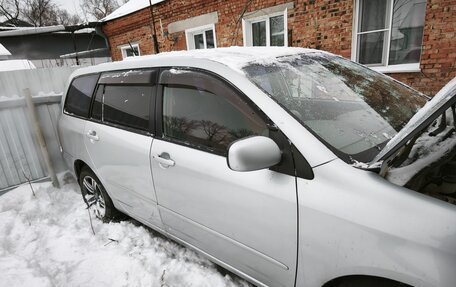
<point>20,156</point>
<point>39,81</point>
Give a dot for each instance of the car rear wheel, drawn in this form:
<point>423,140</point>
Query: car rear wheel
<point>364,281</point>
<point>95,197</point>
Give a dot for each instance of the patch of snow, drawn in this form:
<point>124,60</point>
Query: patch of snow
<point>362,165</point>
<point>426,151</point>
<point>49,94</point>
<point>12,98</point>
<point>4,51</point>
<point>12,65</point>
<point>178,71</point>
<point>47,241</point>
<point>41,94</point>
<point>429,151</point>
<point>21,31</point>
<point>128,8</point>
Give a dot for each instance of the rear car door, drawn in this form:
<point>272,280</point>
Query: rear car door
<point>118,139</point>
<point>76,110</point>
<point>248,220</point>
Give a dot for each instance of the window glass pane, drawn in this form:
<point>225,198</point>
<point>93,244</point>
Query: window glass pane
<point>372,15</point>
<point>129,52</point>
<point>407,31</point>
<point>127,106</point>
<point>350,107</point>
<point>208,114</point>
<point>210,39</point>
<point>97,104</point>
<point>277,31</point>
<point>370,48</point>
<point>199,41</point>
<point>80,95</point>
<point>259,33</point>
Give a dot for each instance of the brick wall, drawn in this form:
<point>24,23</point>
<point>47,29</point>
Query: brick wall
<point>321,24</point>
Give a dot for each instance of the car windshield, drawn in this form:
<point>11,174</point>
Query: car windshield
<point>352,109</point>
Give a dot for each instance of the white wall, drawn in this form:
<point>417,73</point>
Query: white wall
<point>52,80</point>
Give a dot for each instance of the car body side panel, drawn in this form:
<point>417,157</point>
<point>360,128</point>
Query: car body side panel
<point>121,161</point>
<point>246,219</point>
<point>355,222</point>
<point>70,131</point>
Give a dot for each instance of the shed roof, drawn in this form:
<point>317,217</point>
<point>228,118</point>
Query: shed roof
<point>129,7</point>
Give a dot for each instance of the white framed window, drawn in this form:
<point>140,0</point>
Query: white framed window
<point>388,34</point>
<point>130,50</point>
<point>202,37</point>
<point>266,29</point>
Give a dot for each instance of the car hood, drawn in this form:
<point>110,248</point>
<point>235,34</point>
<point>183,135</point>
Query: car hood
<point>442,101</point>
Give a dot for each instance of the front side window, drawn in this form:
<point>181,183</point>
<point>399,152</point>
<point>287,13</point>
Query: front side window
<point>203,111</point>
<point>130,51</point>
<point>127,106</point>
<point>269,30</point>
<point>201,37</point>
<point>389,32</point>
<point>80,94</point>
<point>352,109</point>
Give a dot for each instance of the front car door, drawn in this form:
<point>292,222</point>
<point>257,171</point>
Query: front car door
<point>118,139</point>
<point>248,220</point>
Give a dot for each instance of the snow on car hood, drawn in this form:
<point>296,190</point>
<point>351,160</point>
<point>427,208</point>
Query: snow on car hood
<point>443,100</point>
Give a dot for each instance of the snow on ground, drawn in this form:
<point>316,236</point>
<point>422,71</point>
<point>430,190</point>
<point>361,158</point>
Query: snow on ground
<point>46,240</point>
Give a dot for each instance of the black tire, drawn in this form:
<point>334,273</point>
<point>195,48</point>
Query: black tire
<point>365,281</point>
<point>96,198</point>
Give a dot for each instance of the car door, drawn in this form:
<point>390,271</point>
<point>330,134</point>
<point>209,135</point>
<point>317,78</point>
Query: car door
<point>248,220</point>
<point>118,139</point>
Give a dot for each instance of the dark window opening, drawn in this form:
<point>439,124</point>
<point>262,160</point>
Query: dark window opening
<point>80,95</point>
<point>127,106</point>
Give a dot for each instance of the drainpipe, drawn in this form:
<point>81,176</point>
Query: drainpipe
<point>75,49</point>
<point>154,35</point>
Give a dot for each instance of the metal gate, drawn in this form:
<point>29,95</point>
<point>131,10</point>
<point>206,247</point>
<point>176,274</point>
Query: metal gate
<point>20,155</point>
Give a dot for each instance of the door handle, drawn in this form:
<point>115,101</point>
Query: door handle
<point>92,135</point>
<point>164,160</point>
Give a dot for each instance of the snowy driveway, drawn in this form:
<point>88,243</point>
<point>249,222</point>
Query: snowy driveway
<point>46,240</point>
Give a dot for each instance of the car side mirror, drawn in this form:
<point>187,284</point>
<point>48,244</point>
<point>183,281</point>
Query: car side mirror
<point>253,153</point>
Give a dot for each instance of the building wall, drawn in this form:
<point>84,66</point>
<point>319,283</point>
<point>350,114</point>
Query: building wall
<point>321,24</point>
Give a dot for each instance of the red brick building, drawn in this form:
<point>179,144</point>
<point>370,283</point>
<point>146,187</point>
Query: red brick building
<point>414,41</point>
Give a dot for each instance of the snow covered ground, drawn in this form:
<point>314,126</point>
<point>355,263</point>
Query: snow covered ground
<point>46,240</point>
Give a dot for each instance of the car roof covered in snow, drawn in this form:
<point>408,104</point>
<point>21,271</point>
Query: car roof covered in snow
<point>234,57</point>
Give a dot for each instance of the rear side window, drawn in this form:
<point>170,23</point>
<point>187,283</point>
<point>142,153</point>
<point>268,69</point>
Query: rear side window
<point>127,106</point>
<point>79,95</point>
<point>124,98</point>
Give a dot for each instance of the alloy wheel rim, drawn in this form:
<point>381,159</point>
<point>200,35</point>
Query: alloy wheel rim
<point>94,197</point>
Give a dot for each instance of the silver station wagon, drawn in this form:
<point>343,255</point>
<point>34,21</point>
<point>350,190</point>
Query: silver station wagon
<point>286,166</point>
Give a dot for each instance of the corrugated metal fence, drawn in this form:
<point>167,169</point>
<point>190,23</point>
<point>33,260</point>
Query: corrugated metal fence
<point>20,156</point>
